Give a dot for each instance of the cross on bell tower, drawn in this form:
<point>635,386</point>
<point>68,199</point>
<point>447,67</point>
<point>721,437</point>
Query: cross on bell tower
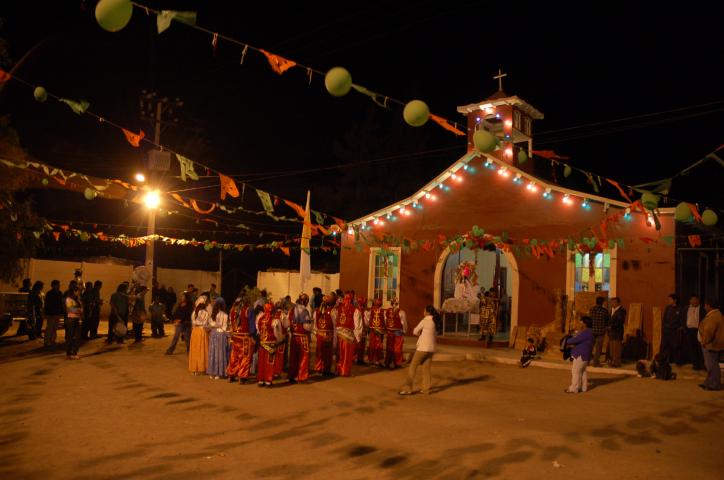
<point>499,77</point>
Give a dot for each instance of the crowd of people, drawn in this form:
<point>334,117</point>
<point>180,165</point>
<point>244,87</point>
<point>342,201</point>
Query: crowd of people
<point>257,339</point>
<point>693,334</point>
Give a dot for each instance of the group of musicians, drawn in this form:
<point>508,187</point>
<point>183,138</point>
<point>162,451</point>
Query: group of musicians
<point>342,327</point>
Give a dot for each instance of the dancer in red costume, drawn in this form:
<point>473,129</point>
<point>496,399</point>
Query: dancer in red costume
<point>324,319</point>
<point>349,330</point>
<point>375,354</point>
<point>279,360</point>
<point>242,345</point>
<point>395,326</point>
<point>269,330</point>
<point>300,324</point>
<point>364,320</point>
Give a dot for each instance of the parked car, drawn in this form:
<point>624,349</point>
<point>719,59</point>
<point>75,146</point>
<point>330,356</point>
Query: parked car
<point>13,309</point>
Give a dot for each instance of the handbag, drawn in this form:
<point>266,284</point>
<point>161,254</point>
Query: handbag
<point>138,317</point>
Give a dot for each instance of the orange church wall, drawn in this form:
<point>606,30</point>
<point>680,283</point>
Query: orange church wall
<point>645,273</point>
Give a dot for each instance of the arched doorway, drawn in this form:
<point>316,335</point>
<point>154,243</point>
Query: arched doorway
<point>486,261</point>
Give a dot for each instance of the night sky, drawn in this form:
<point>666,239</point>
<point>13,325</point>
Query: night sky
<point>653,77</point>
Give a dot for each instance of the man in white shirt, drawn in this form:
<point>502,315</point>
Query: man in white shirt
<point>694,314</point>
<point>424,352</point>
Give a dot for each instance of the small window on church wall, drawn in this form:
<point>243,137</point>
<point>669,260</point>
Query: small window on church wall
<point>516,119</point>
<point>594,277</point>
<point>385,275</point>
<point>526,125</point>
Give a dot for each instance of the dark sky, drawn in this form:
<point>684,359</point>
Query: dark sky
<point>577,67</point>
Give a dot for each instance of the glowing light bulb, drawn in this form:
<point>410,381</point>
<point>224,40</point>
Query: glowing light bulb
<point>427,196</point>
<point>547,193</point>
<point>509,152</point>
<point>350,231</point>
<point>140,177</point>
<point>585,204</point>
<point>567,199</point>
<point>152,199</point>
<point>508,123</point>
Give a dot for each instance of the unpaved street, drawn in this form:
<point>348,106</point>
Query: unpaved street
<point>131,412</point>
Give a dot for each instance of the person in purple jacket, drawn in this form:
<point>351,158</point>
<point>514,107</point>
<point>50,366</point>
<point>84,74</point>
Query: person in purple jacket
<point>580,356</point>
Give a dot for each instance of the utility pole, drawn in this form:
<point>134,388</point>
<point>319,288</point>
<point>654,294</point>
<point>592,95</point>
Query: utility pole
<point>159,162</point>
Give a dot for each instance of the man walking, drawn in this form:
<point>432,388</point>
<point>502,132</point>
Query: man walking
<point>599,324</point>
<point>711,336</point>
<point>615,332</point>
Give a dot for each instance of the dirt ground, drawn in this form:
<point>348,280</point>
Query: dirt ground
<point>129,412</point>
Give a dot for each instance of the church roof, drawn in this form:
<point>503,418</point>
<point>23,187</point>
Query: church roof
<point>494,163</point>
<point>501,98</point>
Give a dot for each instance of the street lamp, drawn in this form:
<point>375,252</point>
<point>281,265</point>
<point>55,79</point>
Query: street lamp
<point>152,200</point>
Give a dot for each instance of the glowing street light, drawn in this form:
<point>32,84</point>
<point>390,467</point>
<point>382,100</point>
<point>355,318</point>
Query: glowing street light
<point>152,199</point>
<point>140,177</point>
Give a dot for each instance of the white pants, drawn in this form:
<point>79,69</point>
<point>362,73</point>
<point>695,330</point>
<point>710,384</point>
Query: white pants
<point>579,376</point>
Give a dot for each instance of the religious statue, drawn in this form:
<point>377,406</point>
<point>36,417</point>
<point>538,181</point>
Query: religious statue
<point>465,298</point>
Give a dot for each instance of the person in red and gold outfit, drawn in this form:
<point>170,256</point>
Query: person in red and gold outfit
<point>349,329</point>
<point>300,324</point>
<point>395,326</point>
<point>281,315</point>
<point>375,354</point>
<point>324,319</point>
<point>242,345</point>
<point>364,320</point>
<point>269,330</point>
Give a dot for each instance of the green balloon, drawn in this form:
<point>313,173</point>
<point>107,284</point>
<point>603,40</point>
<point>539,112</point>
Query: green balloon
<point>113,15</point>
<point>90,193</point>
<point>709,218</point>
<point>40,94</point>
<point>338,81</point>
<point>522,157</point>
<point>207,246</point>
<point>567,170</point>
<point>416,113</point>
<point>484,141</point>
<point>683,213</point>
<point>84,236</point>
<point>649,200</point>
<point>45,181</point>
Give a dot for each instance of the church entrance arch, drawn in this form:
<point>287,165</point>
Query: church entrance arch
<point>509,281</point>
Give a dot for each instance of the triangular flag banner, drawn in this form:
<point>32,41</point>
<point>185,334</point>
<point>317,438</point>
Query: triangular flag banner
<point>133,138</point>
<point>285,250</point>
<point>446,125</point>
<point>694,241</point>
<point>198,209</point>
<point>374,96</point>
<point>187,168</point>
<point>266,201</point>
<point>77,107</point>
<point>620,190</point>
<point>549,154</point>
<point>163,21</point>
<point>228,187</point>
<point>319,217</point>
<point>4,76</point>
<point>278,64</point>
<point>296,208</point>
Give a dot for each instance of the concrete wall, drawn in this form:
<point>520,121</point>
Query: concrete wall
<point>111,275</point>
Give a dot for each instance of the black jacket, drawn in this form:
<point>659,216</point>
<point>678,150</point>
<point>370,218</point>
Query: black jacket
<point>618,320</point>
<point>54,303</point>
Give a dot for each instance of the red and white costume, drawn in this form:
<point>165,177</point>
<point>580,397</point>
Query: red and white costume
<point>300,324</point>
<point>281,316</point>
<point>324,319</point>
<point>362,315</point>
<point>375,354</point>
<point>242,345</point>
<point>349,329</point>
<point>269,330</point>
<point>395,326</point>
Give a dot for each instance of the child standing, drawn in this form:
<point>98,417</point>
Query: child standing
<point>529,353</point>
<point>580,356</point>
